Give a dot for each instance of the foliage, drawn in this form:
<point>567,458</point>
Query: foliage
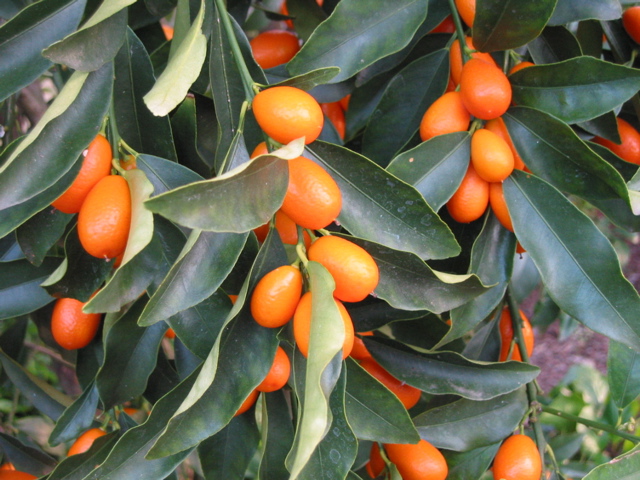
<point>180,111</point>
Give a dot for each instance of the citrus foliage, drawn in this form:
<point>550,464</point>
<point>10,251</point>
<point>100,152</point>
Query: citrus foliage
<point>374,163</point>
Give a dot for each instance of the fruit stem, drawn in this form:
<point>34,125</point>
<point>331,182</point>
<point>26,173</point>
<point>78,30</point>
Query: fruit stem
<point>466,55</point>
<point>300,250</point>
<point>247,81</point>
<point>113,128</point>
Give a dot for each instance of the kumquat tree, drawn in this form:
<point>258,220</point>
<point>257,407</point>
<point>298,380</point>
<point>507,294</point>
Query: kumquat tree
<point>300,239</point>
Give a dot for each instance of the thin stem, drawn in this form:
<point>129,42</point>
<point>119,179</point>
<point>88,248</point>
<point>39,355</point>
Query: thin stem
<point>459,31</point>
<point>591,423</point>
<point>247,81</point>
<point>115,134</point>
<point>54,355</point>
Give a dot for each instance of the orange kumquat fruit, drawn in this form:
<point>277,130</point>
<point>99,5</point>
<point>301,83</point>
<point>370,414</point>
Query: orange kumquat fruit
<point>506,336</point>
<point>499,205</point>
<point>517,459</point>
<point>491,156</point>
<point>278,374</point>
<point>485,89</point>
<point>470,200</point>
<point>418,461</point>
<point>276,296</point>
<point>84,441</point>
<point>629,148</point>
<point>274,47</point>
<point>406,393</point>
<point>446,115</point>
<point>70,326</point>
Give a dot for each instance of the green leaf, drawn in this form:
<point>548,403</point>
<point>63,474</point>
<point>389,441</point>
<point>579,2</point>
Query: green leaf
<point>310,80</point>
<point>130,354</point>
<point>338,40</point>
<point>77,418</point>
<point>465,425</point>
<point>20,290</point>
<point>23,38</point>
<point>203,264</point>
<point>552,150</point>
<point>575,90</point>
<point>472,464</point>
<point>373,411</point>
<point>55,143</point>
<point>444,373</point>
<point>434,166</point>
<point>77,466</point>
<point>320,372</point>
<point>408,283</point>
<point>507,24</point>
<point>141,231</point>
<point>164,174</point>
<point>553,45</point>
<point>401,108</point>
<point>38,234</point>
<point>139,128</point>
<point>96,42</point>
<point>307,15</point>
<point>181,71</point>
<point>379,207</point>
<point>237,201</point>
<point>561,240</point>
<point>624,467</point>
<point>277,435</point>
<point>24,457</point>
<point>623,374</point>
<point>568,11</point>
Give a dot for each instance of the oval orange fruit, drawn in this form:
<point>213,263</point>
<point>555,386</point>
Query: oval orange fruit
<point>485,89</point>
<point>335,114</point>
<point>467,10</point>
<point>491,156</point>
<point>248,402</point>
<point>446,115</point>
<point>629,147</point>
<point>70,326</point>
<point>470,200</point>
<point>499,205</point>
<point>376,463</point>
<point>276,296</point>
<point>406,393</point>
<point>278,374</point>
<point>274,47</point>
<point>455,58</point>
<point>506,336</point>
<point>419,461</point>
<point>84,441</point>
<point>497,126</point>
<point>631,22</point>
<point>517,459</point>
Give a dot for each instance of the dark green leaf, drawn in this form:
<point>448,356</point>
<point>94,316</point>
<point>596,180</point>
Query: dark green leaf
<point>379,207</point>
<point>553,45</point>
<point>143,131</point>
<point>24,457</point>
<point>338,40</point>
<point>307,15</point>
<point>397,116</point>
<point>93,45</point>
<point>577,89</point>
<point>506,24</point>
<point>618,39</point>
<point>38,234</point>
<point>20,290</point>
<point>129,357</point>
<point>277,437</point>
<point>472,464</point>
<point>623,374</point>
<point>624,467</point>
<point>77,418</point>
<point>373,411</point>
<point>23,38</point>
<point>185,134</point>
<point>312,79</point>
<point>425,333</point>
<point>605,126</point>
<point>434,167</point>
<point>561,240</point>
<point>164,174</point>
<point>54,145</point>
<point>77,466</point>
<point>204,263</point>
<point>467,424</point>
<point>568,11</point>
<point>450,373</point>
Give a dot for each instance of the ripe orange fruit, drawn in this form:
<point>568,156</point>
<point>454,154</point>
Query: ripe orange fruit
<point>7,466</point>
<point>276,296</point>
<point>506,336</point>
<point>471,199</point>
<point>70,326</point>
<point>629,148</point>
<point>407,394</point>
<point>497,126</point>
<point>95,166</point>
<point>274,47</point>
<point>631,22</point>
<point>170,333</point>
<point>467,10</point>
<point>354,270</point>
<point>313,199</point>
<point>485,89</point>
<point>167,30</point>
<point>248,403</point>
<point>302,326</point>
<point>446,115</point>
<point>491,156</point>
<point>520,66</point>
<point>517,459</point>
<point>418,461</point>
<point>359,350</point>
<point>335,113</point>
<point>344,102</point>
<point>455,58</point>
<point>499,205</point>
<point>16,475</point>
<point>84,441</point>
<point>105,218</point>
<point>261,149</point>
<point>445,26</point>
<point>286,113</point>
<point>278,373</point>
<point>287,229</point>
<point>376,463</point>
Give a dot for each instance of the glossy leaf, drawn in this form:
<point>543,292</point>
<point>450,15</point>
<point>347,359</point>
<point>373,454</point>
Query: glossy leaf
<point>141,231</point>
<point>312,79</point>
<point>465,425</point>
<point>408,283</point>
<point>435,167</point>
<point>77,466</point>
<point>560,239</point>
<point>554,45</point>
<point>24,36</point>
<point>42,158</point>
<point>507,24</point>
<point>77,418</point>
<point>204,263</point>
<point>568,11</point>
<point>472,464</point>
<point>24,457</point>
<point>575,90</point>
<point>379,207</point>
<point>397,116</point>
<point>20,290</point>
<point>624,467</point>
<point>38,234</point>
<point>139,128</point>
<point>450,373</point>
<point>277,437</point>
<point>181,71</point>
<point>337,41</point>
<point>306,16</point>
<point>164,174</point>
<point>623,374</point>
<point>373,411</point>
